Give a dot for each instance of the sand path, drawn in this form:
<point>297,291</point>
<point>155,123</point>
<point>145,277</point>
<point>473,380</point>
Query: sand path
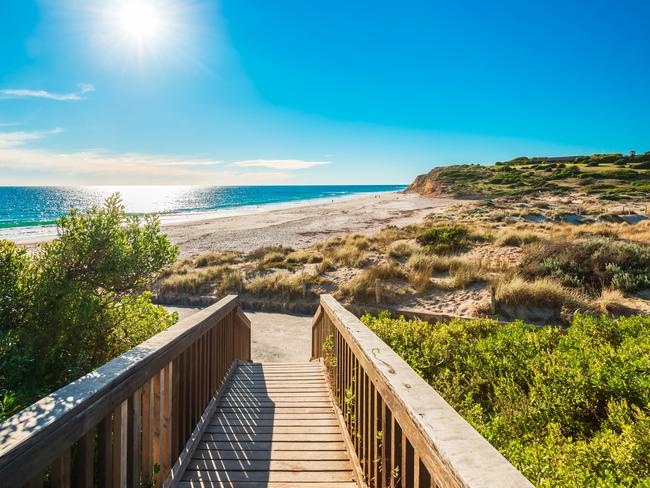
<point>275,337</point>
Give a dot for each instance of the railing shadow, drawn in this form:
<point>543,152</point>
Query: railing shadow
<point>237,444</point>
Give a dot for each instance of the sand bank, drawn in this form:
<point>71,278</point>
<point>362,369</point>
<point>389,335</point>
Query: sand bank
<point>304,225</point>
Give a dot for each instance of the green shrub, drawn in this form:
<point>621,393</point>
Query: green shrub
<point>78,302</point>
<point>444,239</point>
<point>566,408</point>
<point>590,263</point>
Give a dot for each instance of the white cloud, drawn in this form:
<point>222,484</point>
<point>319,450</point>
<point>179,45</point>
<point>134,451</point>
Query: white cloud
<point>287,164</point>
<point>62,97</point>
<point>98,166</point>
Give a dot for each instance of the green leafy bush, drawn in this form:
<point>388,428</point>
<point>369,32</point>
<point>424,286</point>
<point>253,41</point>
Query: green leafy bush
<point>566,408</point>
<point>444,239</point>
<point>78,301</point>
<point>590,263</point>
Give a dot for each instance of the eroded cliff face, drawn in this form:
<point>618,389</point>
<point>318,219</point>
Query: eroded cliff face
<point>449,180</point>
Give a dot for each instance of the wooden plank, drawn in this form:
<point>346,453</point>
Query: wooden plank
<point>134,447</point>
<point>272,476</point>
<point>268,446</point>
<point>119,444</point>
<point>281,388</point>
<point>165,422</point>
<point>104,453</point>
<point>270,422</point>
<point>272,429</point>
<point>253,405</point>
<point>262,484</point>
<point>155,426</point>
<point>263,377</point>
<point>273,437</point>
<point>60,475</point>
<point>252,465</point>
<point>257,416</point>
<point>306,396</point>
<point>274,409</point>
<point>145,446</point>
<point>34,437</point>
<point>270,367</point>
<point>293,455</point>
<point>84,465</point>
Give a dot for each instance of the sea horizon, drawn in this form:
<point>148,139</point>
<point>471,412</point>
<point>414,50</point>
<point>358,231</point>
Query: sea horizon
<point>30,212</point>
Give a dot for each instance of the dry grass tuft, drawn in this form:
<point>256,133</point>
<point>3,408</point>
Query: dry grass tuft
<point>363,285</point>
<point>191,281</point>
<point>516,238</point>
<point>611,301</point>
<point>401,249</point>
<point>282,285</point>
<point>215,259</point>
<point>261,252</point>
<point>545,292</point>
<point>304,256</point>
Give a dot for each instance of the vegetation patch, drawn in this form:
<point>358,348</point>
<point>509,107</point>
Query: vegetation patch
<point>78,302</point>
<point>447,238</point>
<point>591,263</point>
<point>622,177</point>
<point>567,408</point>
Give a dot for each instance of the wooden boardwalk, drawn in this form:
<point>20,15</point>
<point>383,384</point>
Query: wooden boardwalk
<point>274,425</point>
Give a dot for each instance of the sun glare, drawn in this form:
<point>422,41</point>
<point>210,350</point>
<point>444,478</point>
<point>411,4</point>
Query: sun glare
<point>140,21</point>
<point>146,33</point>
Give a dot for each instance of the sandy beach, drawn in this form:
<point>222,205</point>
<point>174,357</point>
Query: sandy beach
<point>303,225</point>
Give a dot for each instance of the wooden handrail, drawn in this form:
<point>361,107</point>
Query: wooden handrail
<point>405,435</point>
<point>128,421</point>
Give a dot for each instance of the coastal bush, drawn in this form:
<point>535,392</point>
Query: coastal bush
<point>566,408</point>
<point>444,239</point>
<point>591,263</point>
<point>78,301</point>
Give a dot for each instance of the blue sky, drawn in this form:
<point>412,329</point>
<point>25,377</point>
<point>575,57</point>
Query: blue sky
<point>294,92</point>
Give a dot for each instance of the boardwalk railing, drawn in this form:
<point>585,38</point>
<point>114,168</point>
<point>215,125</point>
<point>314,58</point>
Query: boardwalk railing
<point>127,423</point>
<point>403,433</point>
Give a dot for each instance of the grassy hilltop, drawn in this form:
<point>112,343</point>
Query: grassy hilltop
<point>608,176</point>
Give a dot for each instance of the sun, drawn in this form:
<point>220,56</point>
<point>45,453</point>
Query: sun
<point>140,21</point>
<point>145,33</point>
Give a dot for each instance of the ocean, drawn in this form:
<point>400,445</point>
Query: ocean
<point>30,212</point>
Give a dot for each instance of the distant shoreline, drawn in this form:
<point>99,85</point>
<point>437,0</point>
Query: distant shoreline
<point>39,232</point>
<point>298,226</point>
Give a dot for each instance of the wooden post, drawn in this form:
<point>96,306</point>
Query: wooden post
<point>493,300</point>
<point>378,290</point>
<point>304,287</point>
